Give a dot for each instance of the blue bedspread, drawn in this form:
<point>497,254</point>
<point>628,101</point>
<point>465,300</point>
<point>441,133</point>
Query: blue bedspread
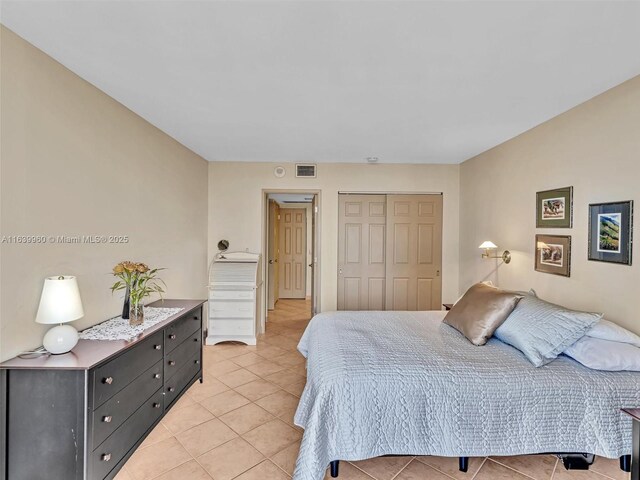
<point>382,383</point>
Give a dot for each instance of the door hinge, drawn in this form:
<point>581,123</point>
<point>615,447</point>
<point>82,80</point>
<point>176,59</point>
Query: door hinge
<point>315,209</point>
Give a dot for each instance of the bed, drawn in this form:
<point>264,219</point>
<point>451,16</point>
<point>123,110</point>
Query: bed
<point>404,383</point>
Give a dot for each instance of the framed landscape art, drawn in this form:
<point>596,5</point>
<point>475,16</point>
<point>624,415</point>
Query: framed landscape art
<point>611,232</point>
<point>553,254</point>
<point>554,208</point>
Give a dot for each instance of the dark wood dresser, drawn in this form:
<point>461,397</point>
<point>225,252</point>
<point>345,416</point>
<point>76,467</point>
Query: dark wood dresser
<point>81,415</point>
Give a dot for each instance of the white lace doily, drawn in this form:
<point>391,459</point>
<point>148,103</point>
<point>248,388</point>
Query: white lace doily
<point>118,328</point>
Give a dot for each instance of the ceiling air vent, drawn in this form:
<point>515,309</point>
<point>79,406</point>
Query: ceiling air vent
<point>305,170</point>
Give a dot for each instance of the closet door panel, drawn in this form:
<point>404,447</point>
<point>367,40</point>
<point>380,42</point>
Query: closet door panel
<point>361,252</point>
<point>414,253</point>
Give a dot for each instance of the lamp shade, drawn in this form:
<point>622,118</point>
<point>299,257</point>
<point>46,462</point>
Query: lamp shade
<point>60,301</point>
<point>488,244</point>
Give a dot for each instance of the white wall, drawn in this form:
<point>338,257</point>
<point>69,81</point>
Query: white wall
<point>236,207</point>
<point>76,162</point>
<point>594,147</point>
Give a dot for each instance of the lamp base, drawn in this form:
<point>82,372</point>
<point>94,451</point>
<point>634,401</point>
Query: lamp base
<point>60,339</point>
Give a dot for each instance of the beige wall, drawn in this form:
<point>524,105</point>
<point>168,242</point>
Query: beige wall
<point>236,207</point>
<point>74,162</point>
<point>594,147</point>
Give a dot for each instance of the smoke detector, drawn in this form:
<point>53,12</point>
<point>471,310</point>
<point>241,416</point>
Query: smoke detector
<point>372,159</point>
<point>279,171</point>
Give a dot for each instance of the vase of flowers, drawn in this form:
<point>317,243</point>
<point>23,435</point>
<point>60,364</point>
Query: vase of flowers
<point>139,281</point>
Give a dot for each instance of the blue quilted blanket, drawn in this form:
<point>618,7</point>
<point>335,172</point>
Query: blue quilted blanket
<point>381,383</point>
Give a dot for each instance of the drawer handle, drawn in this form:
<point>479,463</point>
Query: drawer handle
<point>171,389</point>
<point>195,339</point>
<point>108,380</point>
<point>197,362</point>
<point>172,336</point>
<point>156,375</point>
<point>172,363</point>
<point>158,347</point>
<point>105,457</point>
<point>107,419</point>
<point>156,405</point>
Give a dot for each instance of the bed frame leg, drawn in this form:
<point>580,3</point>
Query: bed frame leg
<point>335,465</point>
<point>625,463</point>
<point>463,464</point>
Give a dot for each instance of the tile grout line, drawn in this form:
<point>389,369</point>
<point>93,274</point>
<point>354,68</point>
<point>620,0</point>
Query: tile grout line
<point>357,468</point>
<point>511,468</point>
<point>555,467</point>
<point>480,468</point>
<point>167,471</point>
<point>437,470</point>
<point>413,458</point>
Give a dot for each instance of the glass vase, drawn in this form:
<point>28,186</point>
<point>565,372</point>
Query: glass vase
<point>136,314</point>
<point>125,306</point>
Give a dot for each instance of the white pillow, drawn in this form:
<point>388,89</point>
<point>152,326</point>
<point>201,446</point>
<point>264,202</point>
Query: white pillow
<point>606,330</point>
<point>599,354</point>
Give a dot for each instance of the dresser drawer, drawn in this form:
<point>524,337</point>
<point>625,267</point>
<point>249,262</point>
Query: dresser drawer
<point>177,358</point>
<point>112,377</point>
<point>176,333</point>
<point>232,327</point>
<point>232,294</point>
<point>114,412</point>
<point>225,309</point>
<point>179,381</point>
<point>114,448</point>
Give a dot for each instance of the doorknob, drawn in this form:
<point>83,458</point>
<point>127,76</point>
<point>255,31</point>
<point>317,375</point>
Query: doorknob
<point>270,262</point>
<point>339,270</point>
<point>437,273</point>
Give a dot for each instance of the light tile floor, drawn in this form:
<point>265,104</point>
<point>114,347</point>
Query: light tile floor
<point>239,425</point>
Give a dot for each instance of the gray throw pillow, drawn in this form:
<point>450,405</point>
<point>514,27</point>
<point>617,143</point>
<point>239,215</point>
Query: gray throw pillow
<point>542,330</point>
<point>480,311</point>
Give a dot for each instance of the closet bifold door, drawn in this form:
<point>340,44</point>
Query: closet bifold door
<point>414,252</point>
<point>361,252</point>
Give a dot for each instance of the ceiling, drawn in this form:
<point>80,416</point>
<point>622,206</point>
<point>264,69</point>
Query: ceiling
<point>339,81</point>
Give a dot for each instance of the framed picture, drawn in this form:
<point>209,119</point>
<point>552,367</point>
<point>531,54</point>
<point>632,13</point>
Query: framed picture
<point>553,254</point>
<point>611,232</point>
<point>554,208</point>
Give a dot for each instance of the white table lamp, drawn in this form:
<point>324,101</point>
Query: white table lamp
<point>60,303</point>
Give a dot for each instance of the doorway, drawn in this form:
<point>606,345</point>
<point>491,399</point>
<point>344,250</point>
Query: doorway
<point>389,252</point>
<point>291,244</point>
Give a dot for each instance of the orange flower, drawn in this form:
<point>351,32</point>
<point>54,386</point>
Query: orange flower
<point>118,269</point>
<point>142,268</point>
<point>129,266</point>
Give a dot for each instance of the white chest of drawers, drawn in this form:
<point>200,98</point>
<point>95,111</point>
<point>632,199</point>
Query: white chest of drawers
<point>234,298</point>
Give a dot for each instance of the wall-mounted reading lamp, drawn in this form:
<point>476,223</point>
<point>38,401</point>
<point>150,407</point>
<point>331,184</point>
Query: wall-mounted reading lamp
<point>487,246</point>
